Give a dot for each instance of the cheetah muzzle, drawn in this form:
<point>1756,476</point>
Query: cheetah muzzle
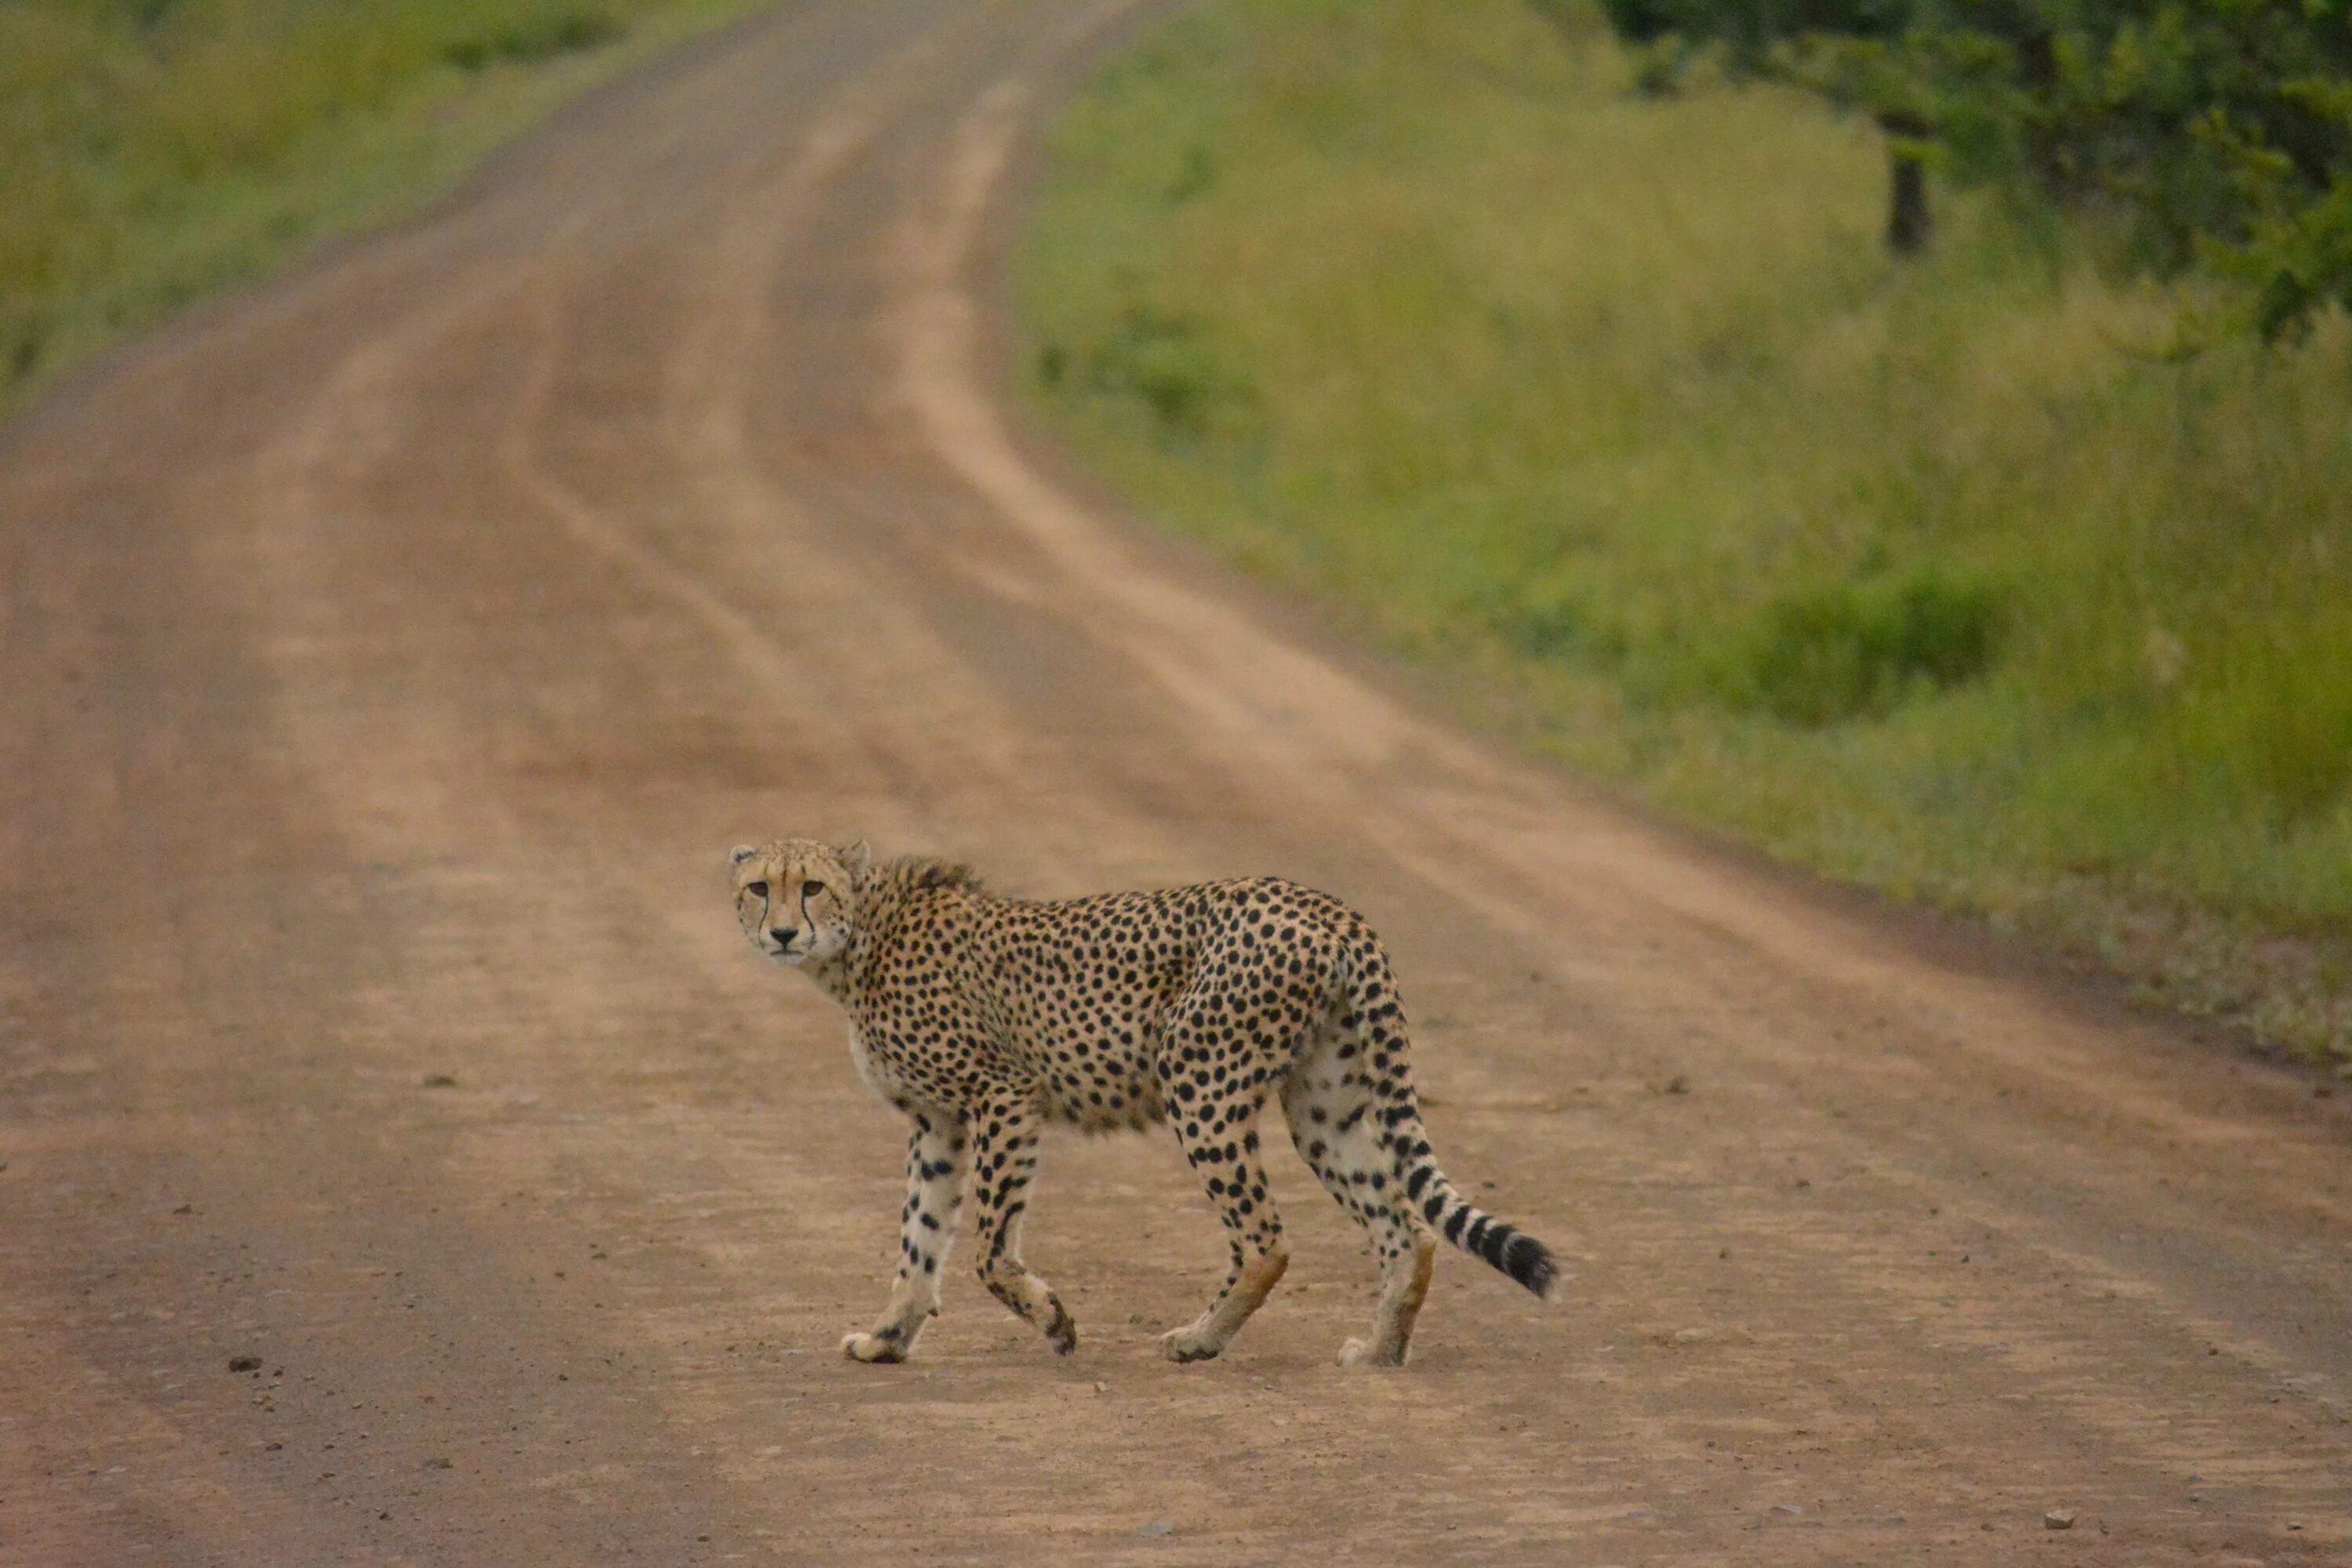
<point>983,1018</point>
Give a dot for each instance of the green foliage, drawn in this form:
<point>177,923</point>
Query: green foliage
<point>1819,656</point>
<point>1908,573</point>
<point>1163,360</point>
<point>532,37</point>
<point>2211,131</point>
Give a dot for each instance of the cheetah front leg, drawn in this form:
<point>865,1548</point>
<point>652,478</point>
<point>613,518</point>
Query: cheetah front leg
<point>1005,1157</point>
<point>935,1161</point>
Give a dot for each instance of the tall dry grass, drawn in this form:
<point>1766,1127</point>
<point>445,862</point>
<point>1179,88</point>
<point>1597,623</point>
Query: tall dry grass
<point>152,150</point>
<point>1940,578</point>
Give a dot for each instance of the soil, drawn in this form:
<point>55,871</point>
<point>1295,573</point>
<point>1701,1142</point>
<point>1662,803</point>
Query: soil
<point>392,655</point>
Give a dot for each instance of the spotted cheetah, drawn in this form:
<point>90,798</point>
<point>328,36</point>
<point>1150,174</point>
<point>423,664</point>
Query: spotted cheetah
<point>983,1018</point>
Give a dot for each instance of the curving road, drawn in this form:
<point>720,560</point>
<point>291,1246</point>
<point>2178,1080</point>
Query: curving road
<point>390,657</point>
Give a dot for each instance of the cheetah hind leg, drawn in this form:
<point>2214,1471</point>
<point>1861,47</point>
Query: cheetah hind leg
<point>1334,1123</point>
<point>1005,1157</point>
<point>1236,1184</point>
<point>1404,1284</point>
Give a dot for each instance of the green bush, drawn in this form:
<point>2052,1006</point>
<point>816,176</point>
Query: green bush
<point>1820,656</point>
<point>2217,131</point>
<point>1163,360</point>
<point>526,39</point>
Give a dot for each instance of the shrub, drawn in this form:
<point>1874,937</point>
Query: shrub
<point>1163,360</point>
<point>1822,655</point>
<point>528,38</point>
<point>2218,131</point>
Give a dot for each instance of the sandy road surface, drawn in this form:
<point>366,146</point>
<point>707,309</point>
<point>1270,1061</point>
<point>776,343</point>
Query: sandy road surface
<point>391,656</point>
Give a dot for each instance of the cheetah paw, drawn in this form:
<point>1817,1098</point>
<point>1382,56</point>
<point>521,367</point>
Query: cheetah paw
<point>1062,1333</point>
<point>1186,1344</point>
<point>873,1348</point>
<point>1359,1353</point>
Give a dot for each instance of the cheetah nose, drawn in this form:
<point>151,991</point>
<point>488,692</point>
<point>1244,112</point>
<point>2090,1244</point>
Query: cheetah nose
<point>784,935</point>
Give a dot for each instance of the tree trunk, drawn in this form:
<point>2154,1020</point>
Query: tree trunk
<point>1907,223</point>
<point>2045,142</point>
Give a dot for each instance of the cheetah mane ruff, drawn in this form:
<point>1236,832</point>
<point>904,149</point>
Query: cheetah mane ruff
<point>983,1018</point>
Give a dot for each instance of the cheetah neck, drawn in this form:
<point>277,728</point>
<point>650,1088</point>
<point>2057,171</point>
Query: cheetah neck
<point>875,896</point>
<point>832,976</point>
<point>878,900</point>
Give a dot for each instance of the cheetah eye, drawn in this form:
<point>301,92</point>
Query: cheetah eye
<point>757,890</point>
<point>810,889</point>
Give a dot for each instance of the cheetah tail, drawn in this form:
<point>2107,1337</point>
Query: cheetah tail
<point>1469,1227</point>
<point>1362,976</point>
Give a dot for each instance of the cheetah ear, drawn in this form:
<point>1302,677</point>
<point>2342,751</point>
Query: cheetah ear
<point>856,858</point>
<point>740,853</point>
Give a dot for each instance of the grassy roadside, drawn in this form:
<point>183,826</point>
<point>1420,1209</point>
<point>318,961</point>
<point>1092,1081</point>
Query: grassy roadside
<point>152,151</point>
<point>1933,578</point>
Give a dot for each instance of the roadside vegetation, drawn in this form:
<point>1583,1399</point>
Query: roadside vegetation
<point>1956,575</point>
<point>152,151</point>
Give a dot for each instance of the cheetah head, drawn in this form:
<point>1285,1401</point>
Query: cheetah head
<point>793,896</point>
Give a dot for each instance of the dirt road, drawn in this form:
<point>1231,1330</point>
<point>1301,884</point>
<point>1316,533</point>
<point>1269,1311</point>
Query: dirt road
<point>390,658</point>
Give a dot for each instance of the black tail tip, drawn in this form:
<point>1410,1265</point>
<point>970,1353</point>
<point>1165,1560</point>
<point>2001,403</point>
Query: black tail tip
<point>1530,1263</point>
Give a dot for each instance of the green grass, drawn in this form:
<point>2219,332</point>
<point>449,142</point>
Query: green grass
<point>152,151</point>
<point>1935,577</point>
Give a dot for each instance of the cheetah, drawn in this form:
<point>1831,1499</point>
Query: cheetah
<point>985,1018</point>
